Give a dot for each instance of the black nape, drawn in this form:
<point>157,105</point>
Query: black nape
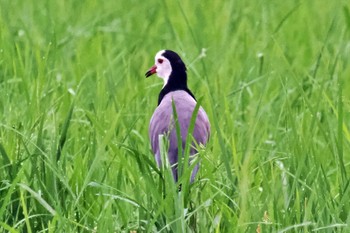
<point>178,77</point>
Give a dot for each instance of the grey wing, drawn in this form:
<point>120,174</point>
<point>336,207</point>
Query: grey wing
<point>159,124</point>
<point>162,123</point>
<point>201,129</point>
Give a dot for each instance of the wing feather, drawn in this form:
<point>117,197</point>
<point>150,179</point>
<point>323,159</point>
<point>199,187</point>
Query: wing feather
<point>162,123</point>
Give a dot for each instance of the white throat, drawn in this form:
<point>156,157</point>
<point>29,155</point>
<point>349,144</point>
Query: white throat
<point>164,68</point>
<point>165,81</point>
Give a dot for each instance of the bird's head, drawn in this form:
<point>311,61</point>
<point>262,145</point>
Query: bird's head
<point>168,64</point>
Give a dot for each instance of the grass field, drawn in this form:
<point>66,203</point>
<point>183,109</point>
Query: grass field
<point>273,76</point>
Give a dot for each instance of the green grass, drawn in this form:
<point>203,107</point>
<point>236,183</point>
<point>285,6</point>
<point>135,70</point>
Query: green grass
<point>75,106</point>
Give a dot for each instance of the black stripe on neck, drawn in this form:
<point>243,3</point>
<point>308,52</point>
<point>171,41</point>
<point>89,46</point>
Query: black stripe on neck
<point>176,82</point>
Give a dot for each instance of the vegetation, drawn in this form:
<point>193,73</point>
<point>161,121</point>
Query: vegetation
<point>273,77</point>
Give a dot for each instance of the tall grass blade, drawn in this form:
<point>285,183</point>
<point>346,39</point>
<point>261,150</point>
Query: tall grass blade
<point>64,132</point>
<point>340,134</point>
<point>7,163</point>
<point>39,198</point>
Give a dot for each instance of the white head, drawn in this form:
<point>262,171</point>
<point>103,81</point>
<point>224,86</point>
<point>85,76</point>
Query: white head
<point>161,66</point>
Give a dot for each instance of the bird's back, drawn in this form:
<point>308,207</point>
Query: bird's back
<point>162,122</point>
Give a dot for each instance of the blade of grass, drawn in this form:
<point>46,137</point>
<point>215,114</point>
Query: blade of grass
<point>340,134</point>
<point>25,213</point>
<point>64,132</point>
<point>180,165</point>
<point>39,198</point>
<point>284,19</point>
<point>7,162</point>
<point>8,228</point>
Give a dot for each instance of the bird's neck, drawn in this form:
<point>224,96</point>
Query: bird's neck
<point>176,82</point>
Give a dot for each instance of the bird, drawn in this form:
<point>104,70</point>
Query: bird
<point>170,67</point>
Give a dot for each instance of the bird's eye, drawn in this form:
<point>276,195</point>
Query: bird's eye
<point>160,61</point>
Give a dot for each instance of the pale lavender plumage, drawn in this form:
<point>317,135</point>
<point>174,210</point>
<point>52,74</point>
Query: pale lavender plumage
<point>162,122</point>
<point>170,67</point>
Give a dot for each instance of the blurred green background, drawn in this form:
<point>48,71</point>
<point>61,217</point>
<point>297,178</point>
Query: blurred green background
<point>273,77</point>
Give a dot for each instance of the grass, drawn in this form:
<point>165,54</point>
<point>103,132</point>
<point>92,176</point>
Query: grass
<point>75,106</point>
